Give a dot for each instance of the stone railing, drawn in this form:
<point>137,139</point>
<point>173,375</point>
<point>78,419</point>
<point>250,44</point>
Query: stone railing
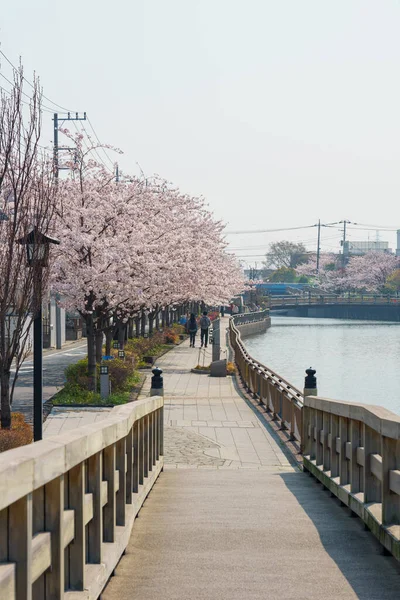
<point>280,398</point>
<point>354,450</point>
<point>68,503</point>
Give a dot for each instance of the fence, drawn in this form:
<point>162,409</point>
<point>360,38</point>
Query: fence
<point>280,397</point>
<point>67,504</point>
<point>301,300</point>
<point>354,450</point>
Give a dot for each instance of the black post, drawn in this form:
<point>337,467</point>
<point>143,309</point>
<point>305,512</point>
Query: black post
<point>38,375</point>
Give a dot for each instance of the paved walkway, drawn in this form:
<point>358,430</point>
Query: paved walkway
<point>231,518</point>
<point>63,419</point>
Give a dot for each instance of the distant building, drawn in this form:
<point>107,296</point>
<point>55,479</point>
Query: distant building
<point>359,248</point>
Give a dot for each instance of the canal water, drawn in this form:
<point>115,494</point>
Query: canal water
<point>357,361</point>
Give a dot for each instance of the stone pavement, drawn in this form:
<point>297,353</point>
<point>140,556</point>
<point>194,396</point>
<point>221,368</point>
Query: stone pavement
<point>63,419</point>
<point>231,518</point>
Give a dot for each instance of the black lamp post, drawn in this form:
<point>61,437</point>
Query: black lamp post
<point>37,250</point>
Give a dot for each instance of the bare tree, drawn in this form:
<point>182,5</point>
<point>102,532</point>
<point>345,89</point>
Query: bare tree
<point>27,193</point>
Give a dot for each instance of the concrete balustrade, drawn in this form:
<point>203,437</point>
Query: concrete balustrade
<point>280,398</point>
<point>68,503</point>
<point>354,450</point>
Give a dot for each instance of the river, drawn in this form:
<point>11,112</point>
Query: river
<point>357,361</point>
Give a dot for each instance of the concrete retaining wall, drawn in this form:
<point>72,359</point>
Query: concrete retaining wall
<point>253,328</point>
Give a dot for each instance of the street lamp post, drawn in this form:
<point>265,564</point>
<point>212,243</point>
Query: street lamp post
<point>37,250</point>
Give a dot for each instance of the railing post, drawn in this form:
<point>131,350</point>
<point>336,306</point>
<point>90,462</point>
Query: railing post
<point>135,475</point>
<point>121,494</point>
<point>355,440</point>
<point>109,515</point>
<point>129,466</point>
<point>95,525</point>
<point>372,445</point>
<point>54,522</point>
<point>390,500</point>
<point>343,462</point>
<point>334,432</point>
<point>20,545</point>
<point>77,548</point>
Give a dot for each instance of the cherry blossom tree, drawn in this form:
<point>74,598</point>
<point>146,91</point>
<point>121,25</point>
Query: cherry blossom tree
<point>371,271</point>
<point>132,246</point>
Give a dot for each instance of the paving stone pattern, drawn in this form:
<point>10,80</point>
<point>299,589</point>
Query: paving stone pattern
<point>207,422</point>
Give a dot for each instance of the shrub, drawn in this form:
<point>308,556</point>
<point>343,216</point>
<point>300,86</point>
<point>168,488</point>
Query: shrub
<point>171,337</point>
<point>77,374</point>
<point>20,433</point>
<point>122,375</point>
<point>178,328</point>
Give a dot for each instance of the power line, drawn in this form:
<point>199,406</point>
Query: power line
<point>32,86</point>
<point>269,230</point>
<point>101,145</point>
<point>94,150</point>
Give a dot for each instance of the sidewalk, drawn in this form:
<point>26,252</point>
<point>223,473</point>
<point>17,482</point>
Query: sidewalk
<point>207,422</point>
<point>231,518</point>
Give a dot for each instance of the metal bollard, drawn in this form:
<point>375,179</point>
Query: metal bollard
<point>157,383</point>
<point>310,383</point>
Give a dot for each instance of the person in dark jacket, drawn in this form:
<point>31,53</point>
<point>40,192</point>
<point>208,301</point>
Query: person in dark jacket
<point>205,323</point>
<point>192,329</point>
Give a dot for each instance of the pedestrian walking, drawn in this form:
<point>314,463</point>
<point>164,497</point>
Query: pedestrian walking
<point>192,329</point>
<point>204,325</point>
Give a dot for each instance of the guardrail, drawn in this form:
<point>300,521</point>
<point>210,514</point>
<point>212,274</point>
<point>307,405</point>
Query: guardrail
<point>354,450</point>
<point>330,299</point>
<point>68,503</point>
<point>280,397</point>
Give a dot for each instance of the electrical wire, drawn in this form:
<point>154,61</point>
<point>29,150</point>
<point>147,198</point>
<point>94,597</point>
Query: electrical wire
<point>269,230</point>
<point>97,138</point>
<point>32,86</point>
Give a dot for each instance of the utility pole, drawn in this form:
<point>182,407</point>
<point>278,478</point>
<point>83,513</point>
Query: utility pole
<point>345,222</point>
<point>57,169</point>
<point>318,243</point>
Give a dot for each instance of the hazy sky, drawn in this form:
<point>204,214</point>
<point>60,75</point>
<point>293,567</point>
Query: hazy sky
<point>279,112</point>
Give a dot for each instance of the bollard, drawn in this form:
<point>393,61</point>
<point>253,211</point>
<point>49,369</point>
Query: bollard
<point>157,383</point>
<point>104,381</point>
<point>310,383</point>
<point>310,389</point>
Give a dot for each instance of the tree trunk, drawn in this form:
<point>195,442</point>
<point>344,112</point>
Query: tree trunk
<point>163,318</point>
<point>130,328</point>
<point>143,324</point>
<point>5,400</point>
<point>151,323</point>
<point>121,334</point>
<point>91,352</point>
<point>167,316</point>
<point>137,326</point>
<point>99,346</point>
<point>109,339</point>
<point>158,320</point>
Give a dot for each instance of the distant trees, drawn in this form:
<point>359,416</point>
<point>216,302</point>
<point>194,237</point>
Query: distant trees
<point>284,274</point>
<point>372,272</point>
<point>285,254</point>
